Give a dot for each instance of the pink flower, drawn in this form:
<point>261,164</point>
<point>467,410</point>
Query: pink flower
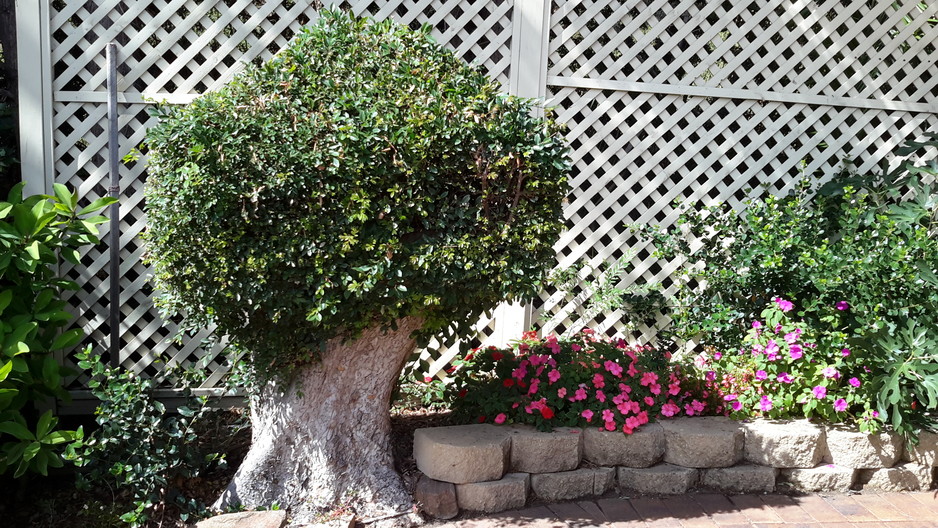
<point>649,401</point>
<point>718,355</point>
<point>795,351</point>
<point>698,406</point>
<point>500,418</point>
<point>601,396</point>
<point>729,397</point>
<point>819,392</point>
<point>830,372</point>
<point>761,375</point>
<point>854,381</point>
<point>756,324</point>
<point>562,392</point>
<point>785,377</point>
<point>519,373</point>
<point>610,426</point>
<point>613,368</point>
<point>553,376</point>
<point>598,381</point>
<point>588,414</point>
<point>674,389</point>
<point>737,405</point>
<point>765,404</point>
<point>670,409</point>
<point>580,394</point>
<point>842,305</point>
<point>845,352</point>
<point>783,305</point>
<point>575,347</point>
<point>791,337</point>
<point>688,409</point>
<point>840,405</point>
<point>649,378</point>
<point>655,389</point>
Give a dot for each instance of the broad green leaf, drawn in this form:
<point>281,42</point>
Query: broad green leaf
<point>5,370</point>
<point>17,430</point>
<point>68,339</point>
<point>45,423</point>
<point>97,205</point>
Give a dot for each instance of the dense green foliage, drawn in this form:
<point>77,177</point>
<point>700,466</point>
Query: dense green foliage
<point>867,243</point>
<point>141,449</point>
<point>35,234</point>
<point>362,175</point>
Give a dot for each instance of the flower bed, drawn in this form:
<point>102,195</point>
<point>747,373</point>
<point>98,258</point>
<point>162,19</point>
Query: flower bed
<point>490,468</point>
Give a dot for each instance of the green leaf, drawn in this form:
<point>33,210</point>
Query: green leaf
<point>65,196</point>
<point>5,370</point>
<point>97,205</point>
<point>33,250</point>
<point>45,423</point>
<point>17,430</point>
<point>68,339</point>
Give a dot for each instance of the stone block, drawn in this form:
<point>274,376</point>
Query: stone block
<point>904,477</point>
<point>925,452</point>
<point>437,499</point>
<point>507,493</point>
<point>463,453</point>
<point>825,477</point>
<point>572,484</point>
<point>641,449</point>
<point>743,478</point>
<point>534,451</point>
<point>783,444</point>
<point>702,442</point>
<point>248,519</point>
<point>666,479</point>
<point>851,448</point>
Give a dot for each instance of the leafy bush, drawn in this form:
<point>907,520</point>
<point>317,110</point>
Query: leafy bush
<point>35,234</point>
<point>363,175</point>
<point>141,448</point>
<point>638,303</point>
<point>577,382</point>
<point>787,369</point>
<point>869,241</point>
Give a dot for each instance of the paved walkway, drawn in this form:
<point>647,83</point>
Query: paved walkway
<point>710,510</point>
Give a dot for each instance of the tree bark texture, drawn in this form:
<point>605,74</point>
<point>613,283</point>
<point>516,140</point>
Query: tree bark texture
<point>324,439</point>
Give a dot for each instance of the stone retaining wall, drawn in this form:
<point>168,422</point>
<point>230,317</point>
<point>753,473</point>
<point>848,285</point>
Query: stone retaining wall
<point>493,468</point>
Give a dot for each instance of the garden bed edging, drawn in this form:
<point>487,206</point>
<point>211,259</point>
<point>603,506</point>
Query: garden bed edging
<point>491,468</point>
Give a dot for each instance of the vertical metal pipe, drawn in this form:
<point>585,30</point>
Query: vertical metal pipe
<point>114,191</point>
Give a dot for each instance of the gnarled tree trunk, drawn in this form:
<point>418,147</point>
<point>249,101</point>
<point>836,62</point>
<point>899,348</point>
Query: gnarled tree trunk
<point>325,438</point>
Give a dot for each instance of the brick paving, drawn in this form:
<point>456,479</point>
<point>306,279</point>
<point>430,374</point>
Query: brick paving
<point>713,510</point>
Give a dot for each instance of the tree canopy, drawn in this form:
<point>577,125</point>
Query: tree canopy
<point>362,175</point>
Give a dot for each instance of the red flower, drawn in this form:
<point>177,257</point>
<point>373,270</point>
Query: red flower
<point>427,379</point>
<point>508,382</point>
<point>547,412</point>
<point>482,419</point>
<point>497,356</point>
<point>462,393</point>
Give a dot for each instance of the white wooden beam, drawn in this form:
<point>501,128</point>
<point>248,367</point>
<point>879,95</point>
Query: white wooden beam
<point>35,94</point>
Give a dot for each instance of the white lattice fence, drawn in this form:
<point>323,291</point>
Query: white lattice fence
<point>665,99</point>
<point>705,101</point>
<point>173,50</point>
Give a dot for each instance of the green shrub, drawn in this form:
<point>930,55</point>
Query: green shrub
<point>363,175</point>
<point>142,449</point>
<point>35,234</point>
<point>866,241</point>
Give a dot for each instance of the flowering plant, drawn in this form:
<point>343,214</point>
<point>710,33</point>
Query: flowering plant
<point>583,381</point>
<point>787,369</point>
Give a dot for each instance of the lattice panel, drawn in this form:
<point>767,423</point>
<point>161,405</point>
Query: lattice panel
<point>181,48</point>
<point>187,47</point>
<point>855,49</point>
<point>635,153</point>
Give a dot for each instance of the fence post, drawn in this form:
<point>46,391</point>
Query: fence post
<point>527,78</point>
<point>35,95</point>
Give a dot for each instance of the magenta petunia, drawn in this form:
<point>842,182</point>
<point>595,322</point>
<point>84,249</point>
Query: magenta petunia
<point>842,305</point>
<point>756,324</point>
<point>840,405</point>
<point>588,414</point>
<point>795,351</point>
<point>761,375</point>
<point>500,418</point>
<point>854,381</point>
<point>830,372</point>
<point>783,305</point>
<point>553,376</point>
<point>820,392</point>
<point>845,352</point>
<point>765,404</point>
<point>785,377</point>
